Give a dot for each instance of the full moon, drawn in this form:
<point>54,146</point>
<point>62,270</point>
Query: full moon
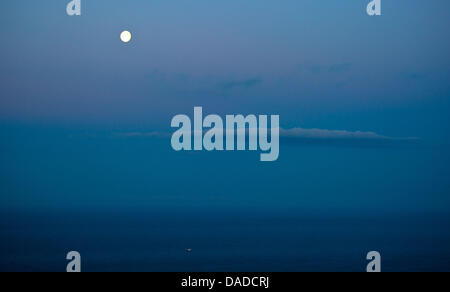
<point>125,36</point>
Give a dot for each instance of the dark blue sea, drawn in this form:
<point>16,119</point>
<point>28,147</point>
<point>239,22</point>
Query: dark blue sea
<point>133,204</point>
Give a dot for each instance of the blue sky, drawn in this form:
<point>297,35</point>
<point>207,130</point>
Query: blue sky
<point>319,64</point>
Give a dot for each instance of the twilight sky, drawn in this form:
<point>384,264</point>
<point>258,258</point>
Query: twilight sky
<point>319,64</point>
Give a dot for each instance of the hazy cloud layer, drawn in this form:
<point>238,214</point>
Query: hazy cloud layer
<point>328,134</point>
<point>340,67</point>
<point>306,136</point>
<point>299,136</point>
<point>247,83</point>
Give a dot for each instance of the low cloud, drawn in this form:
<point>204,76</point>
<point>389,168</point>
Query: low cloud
<point>247,83</point>
<point>141,135</point>
<point>340,67</point>
<point>328,134</point>
<point>299,136</point>
<point>306,136</point>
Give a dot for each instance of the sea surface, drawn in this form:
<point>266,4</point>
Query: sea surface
<point>130,203</point>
